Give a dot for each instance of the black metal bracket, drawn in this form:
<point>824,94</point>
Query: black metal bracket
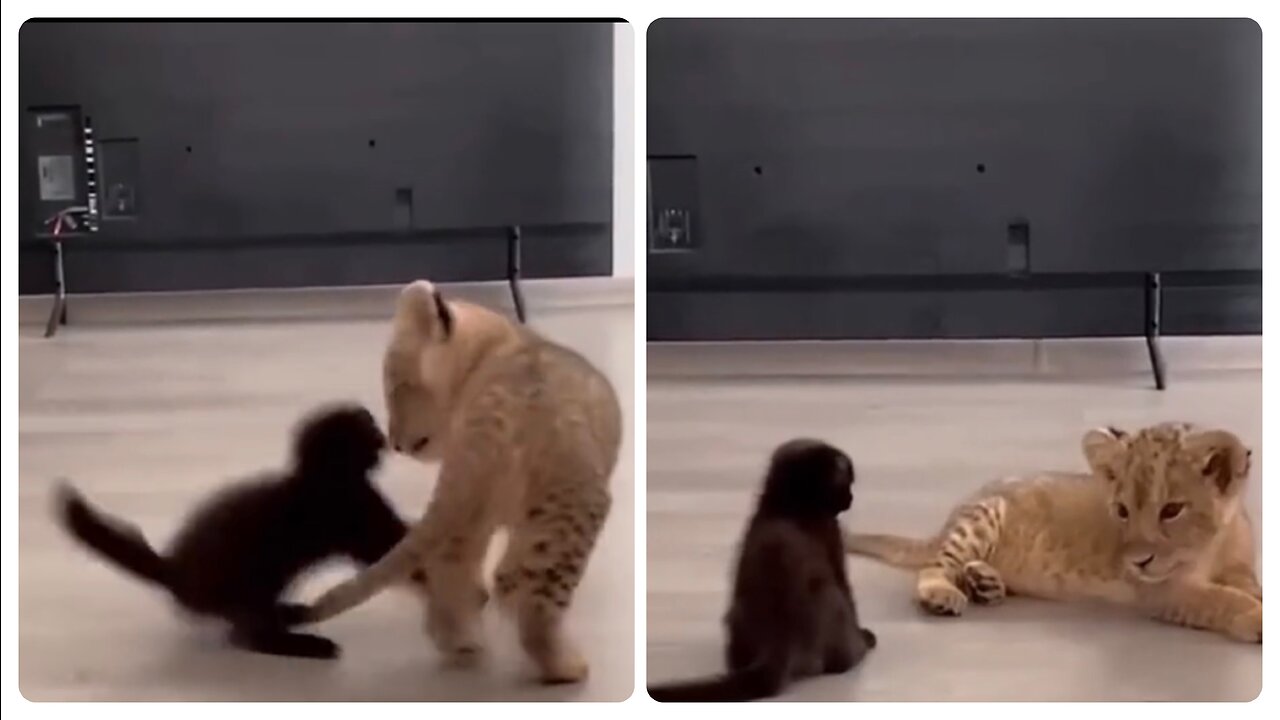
<point>58,314</point>
<point>1152,285</point>
<point>513,270</point>
<point>1152,293</point>
<point>64,224</point>
<point>513,234</point>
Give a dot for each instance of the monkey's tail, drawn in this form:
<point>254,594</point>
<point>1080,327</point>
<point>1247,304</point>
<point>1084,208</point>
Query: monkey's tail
<point>902,552</point>
<point>760,680</point>
<point>109,537</point>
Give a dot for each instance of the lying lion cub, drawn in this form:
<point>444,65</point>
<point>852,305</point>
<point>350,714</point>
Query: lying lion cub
<point>1158,526</point>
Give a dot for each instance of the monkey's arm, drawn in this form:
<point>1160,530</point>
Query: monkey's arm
<point>375,529</point>
<point>832,541</point>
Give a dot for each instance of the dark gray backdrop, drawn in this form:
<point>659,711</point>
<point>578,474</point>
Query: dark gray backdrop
<point>944,158</point>
<point>301,142</point>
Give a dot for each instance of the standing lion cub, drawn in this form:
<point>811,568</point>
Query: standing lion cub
<point>1158,526</point>
<point>528,433</point>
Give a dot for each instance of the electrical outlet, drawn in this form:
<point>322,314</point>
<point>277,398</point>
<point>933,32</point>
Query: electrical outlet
<point>673,202</point>
<point>121,173</point>
<point>1018,247</point>
<point>402,214</point>
<point>672,230</point>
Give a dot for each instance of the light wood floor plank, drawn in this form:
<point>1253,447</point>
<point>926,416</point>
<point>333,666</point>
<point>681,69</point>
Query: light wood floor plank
<point>146,420</point>
<point>919,445</point>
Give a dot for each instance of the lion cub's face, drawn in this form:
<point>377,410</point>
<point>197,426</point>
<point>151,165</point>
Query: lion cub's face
<point>1172,487</point>
<point>415,373</point>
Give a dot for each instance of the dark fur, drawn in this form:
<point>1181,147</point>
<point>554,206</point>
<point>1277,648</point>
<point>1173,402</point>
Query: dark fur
<point>445,316</point>
<point>237,554</point>
<point>793,613</point>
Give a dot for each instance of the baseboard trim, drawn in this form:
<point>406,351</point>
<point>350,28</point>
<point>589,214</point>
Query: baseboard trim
<point>300,304</point>
<point>1074,357</point>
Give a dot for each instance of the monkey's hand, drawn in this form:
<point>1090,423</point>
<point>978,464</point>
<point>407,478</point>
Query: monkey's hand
<point>292,614</point>
<point>868,637</point>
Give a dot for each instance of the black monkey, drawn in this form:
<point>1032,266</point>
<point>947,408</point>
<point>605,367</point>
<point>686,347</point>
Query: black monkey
<point>793,613</point>
<point>237,554</point>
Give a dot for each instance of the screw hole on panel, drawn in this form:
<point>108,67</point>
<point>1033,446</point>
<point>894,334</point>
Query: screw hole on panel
<point>759,170</point>
<point>188,148</point>
<point>982,167</point>
<point>373,143</point>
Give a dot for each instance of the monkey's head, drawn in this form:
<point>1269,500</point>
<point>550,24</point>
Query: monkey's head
<point>338,440</point>
<point>808,478</point>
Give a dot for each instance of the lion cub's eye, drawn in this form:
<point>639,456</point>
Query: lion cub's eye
<point>1172,510</point>
<point>1122,512</point>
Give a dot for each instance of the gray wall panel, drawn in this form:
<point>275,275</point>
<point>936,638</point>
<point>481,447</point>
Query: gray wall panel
<point>836,148</point>
<point>296,129</point>
<point>836,315</point>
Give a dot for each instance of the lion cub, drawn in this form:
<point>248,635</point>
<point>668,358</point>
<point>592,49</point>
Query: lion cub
<point>528,433</point>
<point>1158,526</point>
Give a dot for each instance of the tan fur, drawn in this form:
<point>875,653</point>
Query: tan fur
<point>528,433</point>
<point>1102,536</point>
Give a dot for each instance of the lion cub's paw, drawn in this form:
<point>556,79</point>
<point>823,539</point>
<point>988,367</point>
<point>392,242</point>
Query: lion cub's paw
<point>940,597</point>
<point>1248,627</point>
<point>566,666</point>
<point>983,583</point>
<point>460,643</point>
<point>459,648</point>
<point>464,656</point>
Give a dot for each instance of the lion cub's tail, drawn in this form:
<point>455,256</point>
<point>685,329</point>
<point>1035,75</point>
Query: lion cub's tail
<point>908,553</point>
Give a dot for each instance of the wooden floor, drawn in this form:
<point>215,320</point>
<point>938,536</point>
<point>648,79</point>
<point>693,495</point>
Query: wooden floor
<point>148,419</point>
<point>919,444</point>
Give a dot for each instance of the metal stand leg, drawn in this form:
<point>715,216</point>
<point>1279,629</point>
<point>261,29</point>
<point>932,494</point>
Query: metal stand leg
<point>513,270</point>
<point>58,315</point>
<point>1152,292</point>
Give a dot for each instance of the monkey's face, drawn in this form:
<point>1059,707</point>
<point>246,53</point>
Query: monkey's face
<point>809,478</point>
<point>342,438</point>
<point>841,483</point>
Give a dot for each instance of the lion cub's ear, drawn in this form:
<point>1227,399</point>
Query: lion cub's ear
<point>1102,446</point>
<point>421,305</point>
<point>1222,458</point>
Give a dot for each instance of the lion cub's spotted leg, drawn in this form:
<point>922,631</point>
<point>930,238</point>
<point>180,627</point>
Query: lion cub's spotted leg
<point>1241,577</point>
<point>541,569</point>
<point>960,570</point>
<point>1223,609</point>
<point>456,596</point>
